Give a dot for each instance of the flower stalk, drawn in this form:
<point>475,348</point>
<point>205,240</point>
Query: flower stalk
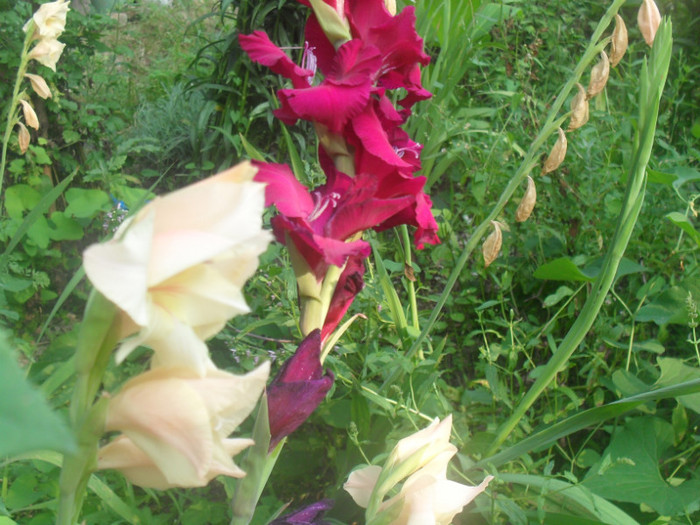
<point>13,110</point>
<point>552,122</point>
<point>653,78</point>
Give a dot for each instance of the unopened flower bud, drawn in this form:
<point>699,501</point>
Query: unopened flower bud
<point>648,19</point>
<point>492,245</point>
<point>23,137</point>
<point>29,115</point>
<point>599,76</point>
<point>528,203</point>
<point>579,109</point>
<point>556,156</point>
<point>39,85</point>
<point>390,6</point>
<point>618,44</point>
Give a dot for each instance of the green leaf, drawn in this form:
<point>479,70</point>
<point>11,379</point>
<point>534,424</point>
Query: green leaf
<point>684,224</point>
<point>543,438</point>
<point>86,203</point>
<point>673,371</point>
<point>38,209</point>
<point>562,269</point>
<point>27,421</point>
<point>63,228</point>
<point>258,465</point>
<point>573,498</point>
<point>552,299</point>
<point>629,469</point>
<point>670,306</point>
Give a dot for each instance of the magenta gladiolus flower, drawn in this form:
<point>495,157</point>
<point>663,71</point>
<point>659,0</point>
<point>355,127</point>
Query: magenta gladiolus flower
<point>319,222</point>
<point>298,389</point>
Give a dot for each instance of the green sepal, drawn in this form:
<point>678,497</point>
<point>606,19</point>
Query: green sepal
<point>336,28</point>
<point>258,465</point>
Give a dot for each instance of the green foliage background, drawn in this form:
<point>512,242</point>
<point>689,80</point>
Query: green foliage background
<point>149,105</point>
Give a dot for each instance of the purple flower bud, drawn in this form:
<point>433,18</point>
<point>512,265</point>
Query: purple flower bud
<point>309,515</point>
<point>298,389</point>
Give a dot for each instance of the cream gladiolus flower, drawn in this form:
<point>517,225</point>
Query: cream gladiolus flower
<point>47,52</point>
<point>175,425</point>
<point>424,445</point>
<point>427,497</point>
<point>50,19</point>
<point>176,269</point>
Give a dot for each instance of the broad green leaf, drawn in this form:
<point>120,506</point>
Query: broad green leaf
<point>37,211</point>
<point>19,198</point>
<point>684,224</point>
<point>562,269</point>
<point>670,306</point>
<point>629,469</point>
<point>86,203</point>
<point>63,228</point>
<point>26,420</point>
<point>673,371</point>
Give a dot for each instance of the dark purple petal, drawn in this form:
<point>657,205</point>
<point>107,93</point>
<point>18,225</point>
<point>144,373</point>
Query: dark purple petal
<point>309,515</point>
<point>298,389</point>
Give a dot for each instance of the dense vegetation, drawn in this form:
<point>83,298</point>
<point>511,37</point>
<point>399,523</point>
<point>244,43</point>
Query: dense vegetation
<point>150,97</point>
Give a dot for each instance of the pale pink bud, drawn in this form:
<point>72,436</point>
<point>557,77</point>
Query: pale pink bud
<point>492,245</point>
<point>47,52</point>
<point>648,19</point>
<point>556,156</point>
<point>23,137</point>
<point>39,85</point>
<point>528,203</point>
<point>599,76</point>
<point>579,109</point>
<point>618,45</point>
<point>29,115</point>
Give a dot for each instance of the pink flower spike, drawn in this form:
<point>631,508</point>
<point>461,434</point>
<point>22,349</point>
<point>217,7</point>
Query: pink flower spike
<point>260,49</point>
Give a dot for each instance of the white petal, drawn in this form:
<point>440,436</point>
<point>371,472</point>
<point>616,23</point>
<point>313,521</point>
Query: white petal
<point>118,268</point>
<point>361,482</point>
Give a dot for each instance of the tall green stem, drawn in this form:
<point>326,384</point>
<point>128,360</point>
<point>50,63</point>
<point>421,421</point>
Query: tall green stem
<point>14,102</point>
<point>98,335</point>
<point>653,79</point>
<point>551,124</point>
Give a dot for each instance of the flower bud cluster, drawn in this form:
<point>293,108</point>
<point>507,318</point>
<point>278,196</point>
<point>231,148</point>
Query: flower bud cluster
<point>648,19</point>
<point>45,26</point>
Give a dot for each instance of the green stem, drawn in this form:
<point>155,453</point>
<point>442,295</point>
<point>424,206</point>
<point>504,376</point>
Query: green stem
<point>551,124</point>
<point>12,117</point>
<point>99,333</point>
<point>652,83</point>
<point>411,288</point>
